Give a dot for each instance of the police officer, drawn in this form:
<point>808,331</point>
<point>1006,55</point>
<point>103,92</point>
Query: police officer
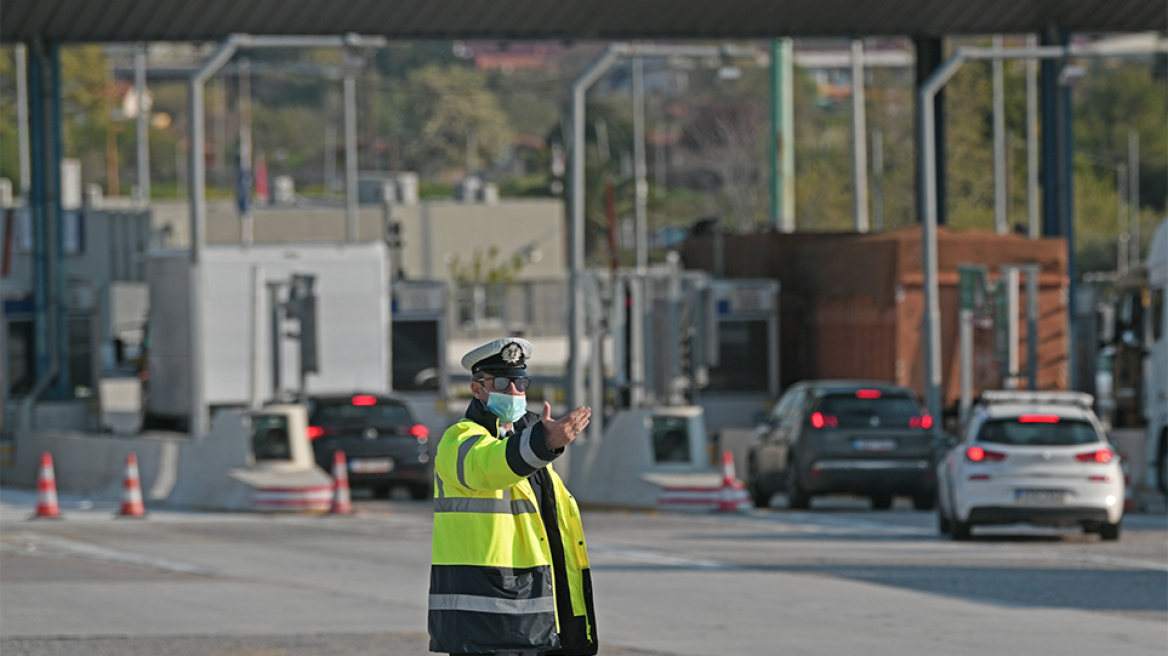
<point>509,572</point>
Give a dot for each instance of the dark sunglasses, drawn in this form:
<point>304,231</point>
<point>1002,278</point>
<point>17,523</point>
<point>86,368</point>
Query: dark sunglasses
<point>501,383</point>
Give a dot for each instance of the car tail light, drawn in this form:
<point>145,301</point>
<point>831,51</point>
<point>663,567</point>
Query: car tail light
<point>867,394</point>
<point>1039,419</point>
<point>421,432</point>
<point>924,421</point>
<point>819,420</point>
<point>978,454</point>
<point>364,399</point>
<point>1102,455</point>
<point>1100,479</point>
<point>315,432</point>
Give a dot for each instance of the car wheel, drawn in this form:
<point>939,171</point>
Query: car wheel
<point>1109,531</point>
<point>924,500</point>
<point>881,501</point>
<point>797,497</point>
<point>759,493</point>
<point>381,491</point>
<point>960,530</point>
<point>943,523</point>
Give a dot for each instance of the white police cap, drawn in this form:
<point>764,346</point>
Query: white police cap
<point>506,354</point>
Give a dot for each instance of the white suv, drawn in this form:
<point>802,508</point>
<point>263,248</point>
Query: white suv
<point>1034,457</point>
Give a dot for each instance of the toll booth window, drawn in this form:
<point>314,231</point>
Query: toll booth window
<point>670,440</point>
<point>415,355</point>
<point>743,358</point>
<point>269,438</point>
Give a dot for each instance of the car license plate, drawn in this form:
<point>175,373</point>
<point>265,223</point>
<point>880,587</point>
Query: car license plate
<point>874,445</point>
<point>1039,497</point>
<point>370,465</point>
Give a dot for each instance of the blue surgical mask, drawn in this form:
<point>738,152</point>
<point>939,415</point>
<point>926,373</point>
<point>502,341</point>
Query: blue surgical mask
<point>507,407</point>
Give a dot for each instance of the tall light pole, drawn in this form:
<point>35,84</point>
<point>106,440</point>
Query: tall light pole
<point>859,141</point>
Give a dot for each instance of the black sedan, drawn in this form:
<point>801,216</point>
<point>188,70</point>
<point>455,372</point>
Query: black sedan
<point>858,437</point>
<point>383,445</point>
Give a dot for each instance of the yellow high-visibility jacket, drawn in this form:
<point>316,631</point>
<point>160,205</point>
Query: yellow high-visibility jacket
<point>509,569</point>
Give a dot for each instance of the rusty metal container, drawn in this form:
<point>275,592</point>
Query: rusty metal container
<point>852,305</point>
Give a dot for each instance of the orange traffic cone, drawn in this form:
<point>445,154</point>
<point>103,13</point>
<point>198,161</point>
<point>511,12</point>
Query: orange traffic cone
<point>731,494</point>
<point>47,490</point>
<point>342,502</point>
<point>132,505</point>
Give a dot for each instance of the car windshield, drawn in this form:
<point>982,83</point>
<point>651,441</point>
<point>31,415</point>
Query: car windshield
<point>346,414</point>
<point>852,411</point>
<point>1034,433</point>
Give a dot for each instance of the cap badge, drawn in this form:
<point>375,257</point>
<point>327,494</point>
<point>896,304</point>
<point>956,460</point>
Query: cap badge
<point>511,353</point>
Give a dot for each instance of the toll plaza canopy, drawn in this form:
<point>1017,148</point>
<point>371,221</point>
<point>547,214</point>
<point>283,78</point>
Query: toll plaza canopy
<point>196,20</point>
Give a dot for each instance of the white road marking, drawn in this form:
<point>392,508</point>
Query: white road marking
<point>30,543</point>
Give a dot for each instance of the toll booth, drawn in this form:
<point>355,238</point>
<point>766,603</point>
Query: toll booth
<point>682,337</point>
<point>743,351</point>
<point>644,455</point>
<point>259,460</point>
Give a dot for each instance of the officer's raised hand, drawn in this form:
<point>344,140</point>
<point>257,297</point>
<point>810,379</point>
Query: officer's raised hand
<point>560,433</point>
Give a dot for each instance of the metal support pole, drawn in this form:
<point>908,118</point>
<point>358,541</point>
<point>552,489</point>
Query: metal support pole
<point>1010,280</point>
<point>639,171</point>
<point>257,336</point>
<point>198,185</point>
<point>859,141</point>
<point>965,326</point>
<point>1032,210</point>
<point>775,135</point>
<point>596,366</point>
<point>1133,195</point>
<point>1122,234</point>
<point>350,93</point>
<point>277,335</point>
<point>1032,272</point>
<point>22,119</point>
<point>787,135</point>
<point>575,378</point>
<point>245,158</point>
<point>931,328</point>
<point>575,381</point>
<point>636,341</point>
<point>56,140</point>
<point>877,180</point>
<point>198,422</point>
<point>1001,225</point>
<point>143,137</point>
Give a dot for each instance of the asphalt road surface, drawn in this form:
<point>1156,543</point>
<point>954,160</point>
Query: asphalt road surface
<point>838,579</point>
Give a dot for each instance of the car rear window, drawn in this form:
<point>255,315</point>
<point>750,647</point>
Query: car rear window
<point>346,414</point>
<point>851,411</point>
<point>1019,433</point>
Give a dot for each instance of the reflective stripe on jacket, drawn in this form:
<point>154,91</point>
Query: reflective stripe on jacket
<point>492,579</point>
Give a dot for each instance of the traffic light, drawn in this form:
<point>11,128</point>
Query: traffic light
<point>302,307</point>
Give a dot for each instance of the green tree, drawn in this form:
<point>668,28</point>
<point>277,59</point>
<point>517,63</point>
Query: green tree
<point>449,107</point>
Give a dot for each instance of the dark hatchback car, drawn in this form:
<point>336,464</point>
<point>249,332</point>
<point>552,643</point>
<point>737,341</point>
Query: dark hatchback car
<point>383,445</point>
<point>866,438</point>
